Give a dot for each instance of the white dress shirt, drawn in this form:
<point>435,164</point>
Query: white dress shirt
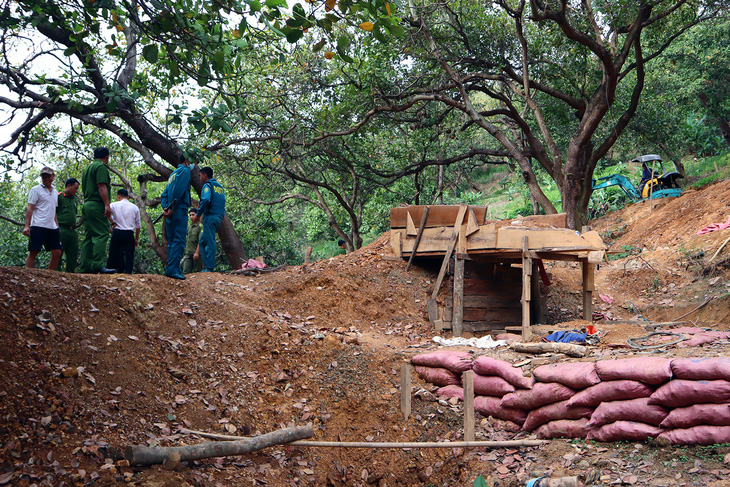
<point>125,214</point>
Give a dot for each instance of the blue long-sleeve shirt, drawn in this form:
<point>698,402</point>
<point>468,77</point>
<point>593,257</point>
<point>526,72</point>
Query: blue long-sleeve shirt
<point>212,199</point>
<point>178,188</point>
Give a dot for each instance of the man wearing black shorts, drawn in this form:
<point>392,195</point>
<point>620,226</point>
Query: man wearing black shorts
<point>41,224</point>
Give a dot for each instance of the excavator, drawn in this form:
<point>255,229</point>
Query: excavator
<point>651,186</point>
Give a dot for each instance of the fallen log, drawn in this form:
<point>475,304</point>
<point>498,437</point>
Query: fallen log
<point>555,347</point>
<point>396,444</point>
<point>144,455</point>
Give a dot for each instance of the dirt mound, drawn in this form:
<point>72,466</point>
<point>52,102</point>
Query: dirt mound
<point>89,364</point>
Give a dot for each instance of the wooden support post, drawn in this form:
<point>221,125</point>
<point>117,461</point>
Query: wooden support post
<point>449,250</point>
<point>588,287</point>
<point>468,380</point>
<point>405,390</point>
<point>458,306</point>
<point>418,237</point>
<point>526,290</point>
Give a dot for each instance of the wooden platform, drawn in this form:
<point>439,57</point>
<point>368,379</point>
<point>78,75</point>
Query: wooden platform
<point>488,293</point>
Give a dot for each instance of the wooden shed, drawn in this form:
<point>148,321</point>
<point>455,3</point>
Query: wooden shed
<point>497,265</point>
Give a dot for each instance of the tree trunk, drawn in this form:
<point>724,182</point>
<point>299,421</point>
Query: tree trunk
<point>231,243</point>
<point>144,455</point>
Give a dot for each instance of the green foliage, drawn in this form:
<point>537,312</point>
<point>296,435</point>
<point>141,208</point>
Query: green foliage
<point>480,482</point>
<point>701,138</point>
<point>627,250</point>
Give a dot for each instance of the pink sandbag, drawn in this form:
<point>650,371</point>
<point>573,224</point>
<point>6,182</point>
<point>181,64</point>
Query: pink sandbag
<point>437,375</point>
<point>457,362</point>
<point>612,390</point>
<point>679,393</point>
<point>698,340</point>
<point>629,410</point>
<point>491,386</point>
<point>649,370</point>
<point>713,368</point>
<point>698,435</point>
<point>563,428</point>
<point>697,414</point>
<point>553,412</point>
<point>451,391</point>
<point>542,393</point>
<point>490,406</point>
<point>492,366</point>
<point>624,431</point>
<point>578,375</point>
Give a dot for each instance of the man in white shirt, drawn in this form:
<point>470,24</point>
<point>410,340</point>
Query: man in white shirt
<point>125,233</point>
<point>41,224</point>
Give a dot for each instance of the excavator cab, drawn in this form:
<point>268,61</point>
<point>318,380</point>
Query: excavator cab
<point>655,180</point>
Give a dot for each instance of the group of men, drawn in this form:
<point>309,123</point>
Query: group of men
<point>50,221</point>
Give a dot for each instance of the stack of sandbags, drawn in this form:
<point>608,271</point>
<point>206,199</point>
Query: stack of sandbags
<point>555,385</point>
<point>700,396</point>
<point>493,380</point>
<point>623,409</point>
<point>442,367</point>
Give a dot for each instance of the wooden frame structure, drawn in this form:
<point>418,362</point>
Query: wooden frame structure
<point>481,246</point>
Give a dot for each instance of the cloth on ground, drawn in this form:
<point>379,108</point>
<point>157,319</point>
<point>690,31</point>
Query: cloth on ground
<point>483,342</point>
<point>714,227</point>
<point>566,337</point>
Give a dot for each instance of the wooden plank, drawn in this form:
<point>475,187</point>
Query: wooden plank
<point>471,226</point>
<point>494,314</point>
<point>449,250</point>
<point>442,325</point>
<point>526,287</point>
<point>419,235</point>
<point>588,287</point>
<point>596,256</point>
<point>511,238</point>
<point>458,298</point>
<point>405,390</point>
<point>467,379</point>
<point>506,290</point>
<point>410,226</point>
<point>491,301</point>
<point>438,216</point>
<point>395,242</point>
<point>558,220</point>
<point>477,326</point>
<point>432,240</point>
<point>594,238</point>
<point>433,311</point>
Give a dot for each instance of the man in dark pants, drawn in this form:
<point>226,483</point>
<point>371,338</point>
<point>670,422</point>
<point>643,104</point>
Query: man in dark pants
<point>176,201</point>
<point>41,224</point>
<point>212,209</point>
<point>191,260</point>
<point>125,233</point>
<point>95,184</point>
<point>66,213</point>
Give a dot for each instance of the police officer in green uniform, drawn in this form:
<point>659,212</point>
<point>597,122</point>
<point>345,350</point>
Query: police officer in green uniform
<point>191,260</point>
<point>66,214</point>
<point>212,208</point>
<point>95,184</point>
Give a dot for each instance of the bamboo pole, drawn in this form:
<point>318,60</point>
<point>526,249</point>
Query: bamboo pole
<point>367,444</point>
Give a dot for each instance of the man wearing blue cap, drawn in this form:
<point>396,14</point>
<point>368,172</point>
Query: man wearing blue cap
<point>212,208</point>
<point>176,201</point>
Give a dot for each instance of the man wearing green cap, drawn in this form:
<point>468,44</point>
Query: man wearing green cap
<point>95,184</point>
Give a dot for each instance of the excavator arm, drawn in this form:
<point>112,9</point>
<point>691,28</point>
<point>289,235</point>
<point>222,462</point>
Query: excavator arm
<point>620,181</point>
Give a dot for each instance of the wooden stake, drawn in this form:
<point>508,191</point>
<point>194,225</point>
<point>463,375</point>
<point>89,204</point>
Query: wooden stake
<point>144,455</point>
<point>588,287</point>
<point>405,390</point>
<point>458,303</point>
<point>468,380</point>
<point>424,216</point>
<point>526,288</point>
<point>449,250</point>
